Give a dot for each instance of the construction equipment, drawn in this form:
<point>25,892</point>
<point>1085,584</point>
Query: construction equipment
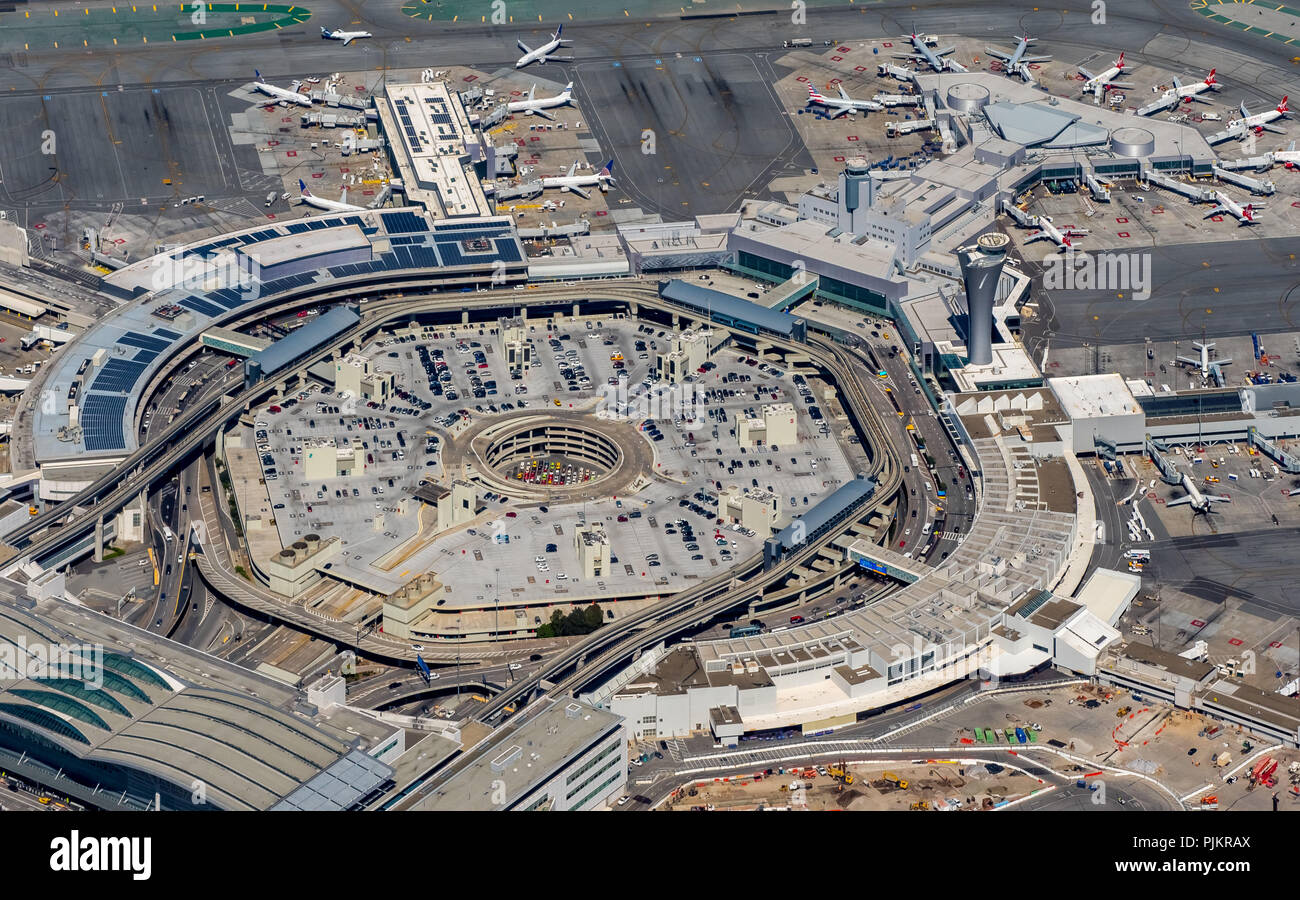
<point>1210,802</point>
<point>893,779</point>
<point>1122,712</point>
<point>920,805</point>
<point>839,771</point>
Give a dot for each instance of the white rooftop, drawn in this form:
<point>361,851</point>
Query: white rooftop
<point>1095,396</point>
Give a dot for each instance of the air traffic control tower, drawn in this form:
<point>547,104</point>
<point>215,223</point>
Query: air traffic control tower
<point>981,270</point>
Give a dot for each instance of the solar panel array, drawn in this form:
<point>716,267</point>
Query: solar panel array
<point>408,127</point>
<point>403,222</point>
<point>287,283</point>
<point>102,418</point>
<point>118,375</point>
<point>142,341</point>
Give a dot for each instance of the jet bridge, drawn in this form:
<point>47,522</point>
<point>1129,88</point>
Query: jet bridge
<point>1022,218</point>
<point>1100,192</point>
<point>1258,163</point>
<point>1254,185</point>
<point>1168,471</point>
<point>1286,462</point>
<point>1191,191</point>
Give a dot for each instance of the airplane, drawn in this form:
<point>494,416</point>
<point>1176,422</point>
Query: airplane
<point>328,205</point>
<point>538,105</point>
<point>602,178</point>
<point>1180,92</point>
<point>346,37</point>
<point>1259,121</point>
<point>1203,362</point>
<point>1102,81</point>
<point>283,95</point>
<point>1290,157</point>
<point>1200,503</point>
<point>934,58</point>
<point>1225,204</point>
<point>542,55</point>
<point>1051,232</point>
<point>1016,63</point>
<point>845,103</point>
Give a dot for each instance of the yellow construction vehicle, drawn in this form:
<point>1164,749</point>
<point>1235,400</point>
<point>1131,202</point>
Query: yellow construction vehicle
<point>920,804</point>
<point>840,773</point>
<point>895,780</point>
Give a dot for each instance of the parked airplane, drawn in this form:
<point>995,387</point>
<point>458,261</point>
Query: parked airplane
<point>933,58</point>
<point>1225,204</point>
<point>844,104</point>
<point>1259,121</point>
<point>601,178</point>
<point>1290,157</point>
<point>542,55</point>
<point>1016,63</point>
<point>346,37</point>
<point>1055,235</point>
<point>328,205</point>
<point>1104,81</point>
<point>283,95</point>
<point>1203,362</point>
<point>1200,503</point>
<point>538,105</point>
<point>1181,92</point>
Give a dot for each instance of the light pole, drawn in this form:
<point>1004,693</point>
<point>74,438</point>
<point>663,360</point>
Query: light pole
<point>496,605</point>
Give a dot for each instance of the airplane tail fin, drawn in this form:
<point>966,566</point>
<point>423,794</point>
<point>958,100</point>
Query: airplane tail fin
<point>1119,63</point>
<point>608,168</point>
<point>1281,107</point>
<point>257,75</point>
<point>324,32</point>
<point>1210,79</point>
<point>568,88</point>
<point>813,93</point>
<point>302,188</point>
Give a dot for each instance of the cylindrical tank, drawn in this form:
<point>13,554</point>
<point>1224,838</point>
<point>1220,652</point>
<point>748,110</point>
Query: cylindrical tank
<point>981,269</point>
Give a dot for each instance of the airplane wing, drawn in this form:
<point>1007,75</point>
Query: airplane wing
<point>839,111</point>
<point>1086,74</point>
<point>585,195</point>
<point>1215,498</point>
<point>997,54</point>
<point>1198,98</point>
<point>1038,236</point>
<point>573,168</point>
<point>1218,210</point>
<point>524,47</point>
<point>347,40</point>
<point>1179,502</point>
<point>549,58</point>
<point>1189,361</point>
<point>1123,84</point>
<point>1035,59</point>
<point>945,51</point>
<point>1269,127</point>
<point>954,66</point>
<point>543,113</point>
<point>1177,84</point>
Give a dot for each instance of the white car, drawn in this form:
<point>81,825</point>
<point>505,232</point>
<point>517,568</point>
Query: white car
<point>623,799</point>
<point>433,675</point>
<point>561,577</point>
<point>260,425</point>
<point>539,559</point>
<point>514,667</point>
<point>417,647</point>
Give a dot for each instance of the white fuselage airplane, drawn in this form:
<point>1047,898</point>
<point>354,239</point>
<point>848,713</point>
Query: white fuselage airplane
<point>1225,204</point>
<point>281,94</point>
<point>837,107</point>
<point>542,55</point>
<point>1195,499</point>
<point>933,58</point>
<point>1104,81</point>
<point>602,178</point>
<point>1203,362</point>
<point>1259,121</point>
<point>1016,63</point>
<point>1290,157</point>
<point>1050,232</point>
<point>1180,92</point>
<point>346,37</point>
<point>328,205</point>
<point>538,105</point>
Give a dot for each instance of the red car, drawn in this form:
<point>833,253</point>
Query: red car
<point>795,620</point>
<point>511,515</point>
<point>274,409</point>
